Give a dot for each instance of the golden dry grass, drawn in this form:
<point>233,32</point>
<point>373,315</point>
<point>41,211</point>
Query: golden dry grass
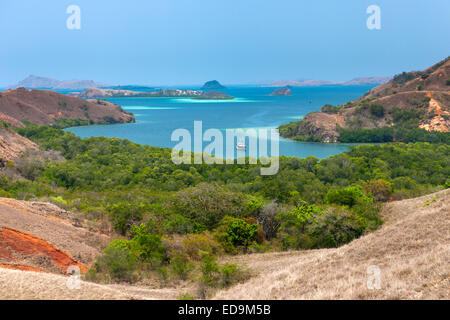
<point>29,285</point>
<point>411,250</point>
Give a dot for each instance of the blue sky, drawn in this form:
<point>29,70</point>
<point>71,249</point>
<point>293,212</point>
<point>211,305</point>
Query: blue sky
<point>170,42</point>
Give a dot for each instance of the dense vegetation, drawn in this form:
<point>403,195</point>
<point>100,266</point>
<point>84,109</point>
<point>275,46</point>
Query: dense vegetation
<point>176,217</point>
<point>391,134</point>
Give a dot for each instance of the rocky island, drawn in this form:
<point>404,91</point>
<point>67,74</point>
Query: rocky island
<point>212,85</point>
<point>282,92</point>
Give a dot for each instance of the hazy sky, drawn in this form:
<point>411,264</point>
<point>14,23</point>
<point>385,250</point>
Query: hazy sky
<point>171,42</point>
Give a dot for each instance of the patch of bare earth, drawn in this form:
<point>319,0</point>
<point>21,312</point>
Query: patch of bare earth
<point>411,250</point>
<point>40,235</point>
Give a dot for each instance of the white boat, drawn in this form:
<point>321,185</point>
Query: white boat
<point>241,146</point>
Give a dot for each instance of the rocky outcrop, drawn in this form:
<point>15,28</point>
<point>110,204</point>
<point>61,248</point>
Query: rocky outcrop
<point>212,85</point>
<point>44,106</point>
<point>282,92</point>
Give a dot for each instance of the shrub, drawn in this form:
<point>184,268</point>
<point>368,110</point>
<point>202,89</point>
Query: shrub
<point>181,266</point>
<point>377,110</point>
<point>380,189</point>
<point>347,196</point>
<point>117,261</point>
<point>231,274</point>
<point>33,162</point>
<point>207,204</point>
<point>210,270</point>
<point>196,245</point>
<point>328,108</point>
<point>147,245</point>
<point>293,225</point>
<point>235,232</point>
<point>335,227</point>
<point>124,214</point>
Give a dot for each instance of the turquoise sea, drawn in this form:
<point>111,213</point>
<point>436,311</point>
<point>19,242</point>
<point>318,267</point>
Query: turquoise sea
<point>253,107</point>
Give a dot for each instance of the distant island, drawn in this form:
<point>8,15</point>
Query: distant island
<point>36,82</point>
<point>282,92</point>
<point>212,85</point>
<point>97,93</point>
<point>315,83</point>
<point>213,95</point>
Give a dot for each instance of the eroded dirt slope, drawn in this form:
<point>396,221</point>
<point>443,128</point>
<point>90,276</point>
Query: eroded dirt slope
<point>40,236</point>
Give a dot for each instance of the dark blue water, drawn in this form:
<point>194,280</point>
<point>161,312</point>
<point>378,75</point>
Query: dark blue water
<point>253,107</point>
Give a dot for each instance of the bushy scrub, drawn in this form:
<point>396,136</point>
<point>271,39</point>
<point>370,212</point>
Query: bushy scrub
<point>181,265</point>
<point>349,196</point>
<point>293,224</point>
<point>334,227</point>
<point>377,110</point>
<point>381,190</point>
<point>118,262</point>
<point>197,245</point>
<point>124,214</point>
<point>214,275</point>
<point>147,244</point>
<point>235,233</point>
<point>207,204</point>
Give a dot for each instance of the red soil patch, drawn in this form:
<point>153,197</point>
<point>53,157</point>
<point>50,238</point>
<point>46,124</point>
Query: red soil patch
<point>19,267</point>
<point>12,241</point>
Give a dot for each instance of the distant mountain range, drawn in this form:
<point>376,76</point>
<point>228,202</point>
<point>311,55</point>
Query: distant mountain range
<point>36,82</point>
<point>315,83</point>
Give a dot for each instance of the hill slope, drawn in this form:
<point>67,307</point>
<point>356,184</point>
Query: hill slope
<point>43,107</point>
<point>419,98</point>
<point>12,145</point>
<point>412,250</point>
<point>42,237</point>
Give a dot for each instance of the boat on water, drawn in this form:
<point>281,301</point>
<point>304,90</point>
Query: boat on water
<point>241,146</point>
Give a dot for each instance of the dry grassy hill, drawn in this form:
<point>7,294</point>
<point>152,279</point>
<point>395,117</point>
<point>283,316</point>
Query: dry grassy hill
<point>425,92</point>
<point>44,106</point>
<point>12,145</point>
<point>412,251</point>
